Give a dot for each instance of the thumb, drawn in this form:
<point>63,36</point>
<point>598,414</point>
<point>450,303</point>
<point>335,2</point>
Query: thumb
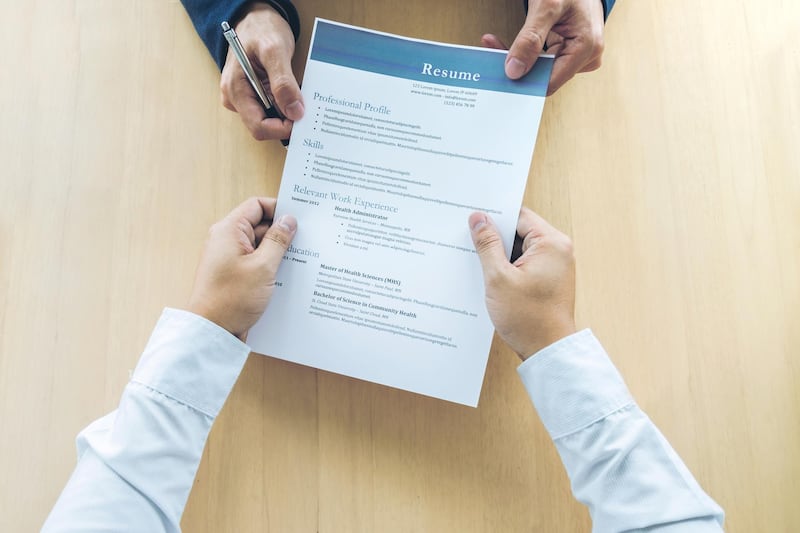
<point>488,244</point>
<point>283,85</point>
<point>531,38</point>
<point>276,241</point>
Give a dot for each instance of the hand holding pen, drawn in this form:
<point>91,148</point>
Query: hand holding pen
<point>257,79</point>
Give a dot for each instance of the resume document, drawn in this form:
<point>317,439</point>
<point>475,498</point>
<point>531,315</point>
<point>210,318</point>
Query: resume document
<point>401,140</point>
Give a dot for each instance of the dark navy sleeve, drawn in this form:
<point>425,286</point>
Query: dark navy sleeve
<point>207,15</point>
<point>608,5</point>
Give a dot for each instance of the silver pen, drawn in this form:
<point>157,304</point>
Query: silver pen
<point>267,102</point>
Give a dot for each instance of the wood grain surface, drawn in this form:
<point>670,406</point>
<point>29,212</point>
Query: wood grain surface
<point>675,168</point>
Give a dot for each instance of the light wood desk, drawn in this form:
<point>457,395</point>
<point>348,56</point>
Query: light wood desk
<point>675,168</point>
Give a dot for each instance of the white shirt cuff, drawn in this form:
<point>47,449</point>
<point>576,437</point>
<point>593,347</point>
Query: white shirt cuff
<point>191,360</point>
<point>573,384</point>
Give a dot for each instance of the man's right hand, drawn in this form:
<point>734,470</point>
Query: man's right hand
<point>238,270</point>
<point>532,300</point>
<point>571,29</point>
<point>269,43</point>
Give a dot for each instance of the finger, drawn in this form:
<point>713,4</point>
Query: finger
<point>488,244</point>
<point>268,208</point>
<point>593,64</point>
<point>237,95</point>
<point>260,231</point>
<point>276,241</point>
<point>554,43</point>
<point>493,41</point>
<point>249,108</point>
<point>531,226</point>
<point>278,63</point>
<point>226,101</point>
<point>572,59</point>
<point>531,38</point>
<point>254,210</point>
<point>229,70</point>
<point>575,54</point>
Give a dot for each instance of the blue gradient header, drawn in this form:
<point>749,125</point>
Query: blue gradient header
<point>424,61</point>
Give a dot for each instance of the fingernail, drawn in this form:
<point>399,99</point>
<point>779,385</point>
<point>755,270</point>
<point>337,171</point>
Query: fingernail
<point>514,68</point>
<point>478,222</point>
<point>295,110</point>
<point>287,223</point>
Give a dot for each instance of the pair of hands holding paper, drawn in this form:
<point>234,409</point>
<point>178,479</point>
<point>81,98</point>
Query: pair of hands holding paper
<point>570,29</point>
<point>530,301</point>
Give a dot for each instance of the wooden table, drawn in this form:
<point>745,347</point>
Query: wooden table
<point>675,168</point>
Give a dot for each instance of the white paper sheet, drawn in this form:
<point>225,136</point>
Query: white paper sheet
<point>401,140</point>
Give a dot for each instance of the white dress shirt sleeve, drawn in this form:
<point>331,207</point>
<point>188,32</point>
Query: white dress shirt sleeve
<point>618,462</point>
<point>137,464</point>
